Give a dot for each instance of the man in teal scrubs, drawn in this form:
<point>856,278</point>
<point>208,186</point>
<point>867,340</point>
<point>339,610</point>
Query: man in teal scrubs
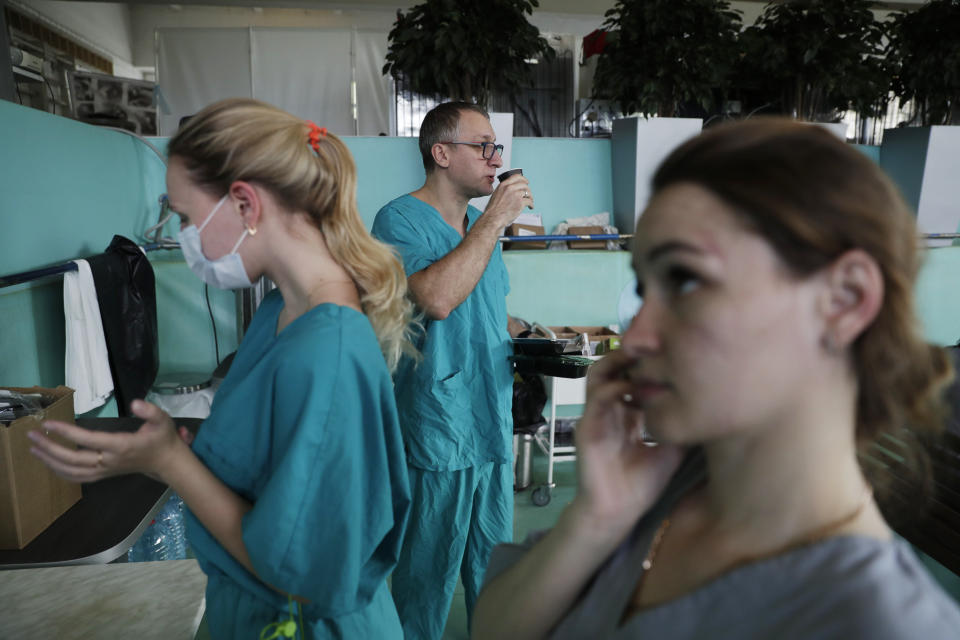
<point>454,405</point>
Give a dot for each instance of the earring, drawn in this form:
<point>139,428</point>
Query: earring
<point>251,230</point>
<point>830,344</point>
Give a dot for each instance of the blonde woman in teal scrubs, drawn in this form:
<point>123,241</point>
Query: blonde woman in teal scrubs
<point>296,484</point>
<point>776,341</point>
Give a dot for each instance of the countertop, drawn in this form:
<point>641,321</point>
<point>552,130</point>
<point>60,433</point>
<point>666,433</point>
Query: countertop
<point>106,521</point>
<point>141,600</point>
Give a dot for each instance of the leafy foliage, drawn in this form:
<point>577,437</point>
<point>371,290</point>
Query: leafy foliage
<point>925,47</point>
<point>464,49</point>
<point>662,54</point>
<point>813,59</point>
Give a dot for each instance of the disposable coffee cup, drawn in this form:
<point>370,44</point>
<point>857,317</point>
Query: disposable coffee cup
<point>506,174</point>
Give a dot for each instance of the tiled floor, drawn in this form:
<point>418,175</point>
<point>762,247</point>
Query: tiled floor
<point>526,517</point>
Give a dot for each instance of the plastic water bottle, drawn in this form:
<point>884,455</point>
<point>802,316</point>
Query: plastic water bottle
<point>164,538</point>
<point>150,547</point>
<point>171,518</point>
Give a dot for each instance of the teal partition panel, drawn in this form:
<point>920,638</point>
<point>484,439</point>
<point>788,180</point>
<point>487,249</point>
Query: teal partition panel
<point>32,336</point>
<point>569,177</point>
<point>583,288</point>
<point>938,302</point>
<point>567,287</point>
<point>65,189</point>
<point>386,168</point>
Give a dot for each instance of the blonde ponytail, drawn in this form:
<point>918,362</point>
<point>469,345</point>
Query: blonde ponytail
<point>307,169</point>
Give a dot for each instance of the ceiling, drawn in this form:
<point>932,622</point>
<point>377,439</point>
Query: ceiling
<point>586,7</point>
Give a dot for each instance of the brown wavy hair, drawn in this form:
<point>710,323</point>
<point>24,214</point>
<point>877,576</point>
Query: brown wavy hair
<point>243,139</point>
<point>813,197</point>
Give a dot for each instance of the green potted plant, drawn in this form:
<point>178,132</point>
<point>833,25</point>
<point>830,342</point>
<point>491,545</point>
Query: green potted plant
<point>464,50</point>
<point>666,58</point>
<point>925,47</point>
<point>662,55</point>
<point>814,59</point>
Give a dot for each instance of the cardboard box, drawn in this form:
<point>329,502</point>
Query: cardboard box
<point>31,496</point>
<point>516,229</point>
<point>586,244</point>
<point>602,339</point>
<point>595,332</point>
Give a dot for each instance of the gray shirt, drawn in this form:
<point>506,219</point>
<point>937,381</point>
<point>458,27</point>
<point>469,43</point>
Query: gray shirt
<point>843,587</point>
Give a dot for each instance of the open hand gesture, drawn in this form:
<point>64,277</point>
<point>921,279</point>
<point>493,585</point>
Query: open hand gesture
<point>102,455</point>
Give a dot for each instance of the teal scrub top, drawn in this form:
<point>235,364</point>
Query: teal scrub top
<point>455,404</point>
<point>305,427</point>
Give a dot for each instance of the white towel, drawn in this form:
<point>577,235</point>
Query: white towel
<point>87,366</point>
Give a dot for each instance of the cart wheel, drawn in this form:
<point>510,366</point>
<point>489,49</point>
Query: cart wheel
<point>541,496</point>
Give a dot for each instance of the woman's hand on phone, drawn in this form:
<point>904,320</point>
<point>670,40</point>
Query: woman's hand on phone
<point>620,476</point>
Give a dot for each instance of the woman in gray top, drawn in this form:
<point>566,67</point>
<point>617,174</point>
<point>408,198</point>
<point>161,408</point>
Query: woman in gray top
<point>776,342</point>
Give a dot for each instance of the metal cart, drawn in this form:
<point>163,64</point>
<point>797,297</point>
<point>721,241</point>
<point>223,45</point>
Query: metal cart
<point>561,391</point>
<point>565,380</point>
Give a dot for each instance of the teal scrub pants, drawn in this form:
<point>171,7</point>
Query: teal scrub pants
<point>456,520</point>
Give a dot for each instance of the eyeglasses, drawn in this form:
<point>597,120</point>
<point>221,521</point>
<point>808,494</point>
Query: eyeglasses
<point>487,148</point>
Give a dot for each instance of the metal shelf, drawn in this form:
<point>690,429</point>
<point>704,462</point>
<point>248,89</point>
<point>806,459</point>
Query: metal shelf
<point>31,75</point>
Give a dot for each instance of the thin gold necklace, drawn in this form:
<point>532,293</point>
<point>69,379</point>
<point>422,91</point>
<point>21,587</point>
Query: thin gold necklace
<point>814,536</point>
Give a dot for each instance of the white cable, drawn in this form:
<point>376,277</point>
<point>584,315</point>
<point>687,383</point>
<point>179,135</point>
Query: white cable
<point>141,139</point>
<point>163,241</point>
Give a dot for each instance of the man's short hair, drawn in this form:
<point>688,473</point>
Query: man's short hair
<point>442,124</point>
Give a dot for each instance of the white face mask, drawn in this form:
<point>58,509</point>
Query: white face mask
<point>226,272</point>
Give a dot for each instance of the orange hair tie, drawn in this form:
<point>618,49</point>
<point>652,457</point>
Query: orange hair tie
<point>315,134</point>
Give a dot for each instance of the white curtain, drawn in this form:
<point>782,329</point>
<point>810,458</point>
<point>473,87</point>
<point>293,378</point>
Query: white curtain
<point>305,72</point>
<point>197,67</point>
<point>375,102</point>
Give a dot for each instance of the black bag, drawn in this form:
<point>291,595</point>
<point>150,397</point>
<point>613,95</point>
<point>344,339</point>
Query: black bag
<point>127,297</point>
<point>529,398</point>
